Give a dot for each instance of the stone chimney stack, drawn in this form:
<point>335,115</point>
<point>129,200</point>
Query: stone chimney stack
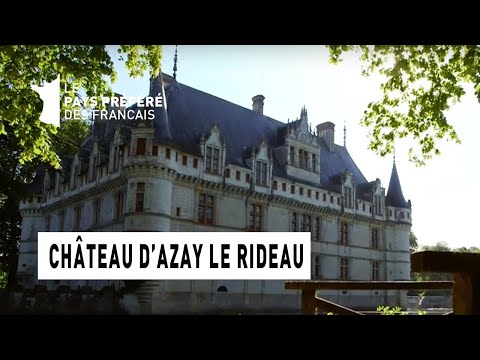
<point>257,105</point>
<point>326,131</point>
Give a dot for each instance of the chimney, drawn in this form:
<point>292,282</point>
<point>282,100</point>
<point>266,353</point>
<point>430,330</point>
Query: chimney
<point>257,105</point>
<point>326,131</point>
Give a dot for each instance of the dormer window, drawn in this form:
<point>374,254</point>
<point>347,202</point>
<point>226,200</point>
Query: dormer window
<point>76,171</point>
<point>95,163</point>
<point>303,158</point>
<point>378,205</point>
<point>261,173</point>
<point>292,156</point>
<point>347,193</point>
<point>212,160</point>
<point>117,154</point>
<point>141,146</point>
<point>47,182</point>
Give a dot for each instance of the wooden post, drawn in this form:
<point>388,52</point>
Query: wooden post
<point>466,294</point>
<point>308,302</point>
<point>466,270</point>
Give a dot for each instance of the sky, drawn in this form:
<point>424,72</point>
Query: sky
<point>443,193</point>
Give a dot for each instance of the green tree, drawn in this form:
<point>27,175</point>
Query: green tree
<point>88,68</point>
<point>13,187</point>
<point>421,83</point>
<point>3,279</point>
<point>14,177</point>
<point>413,242</point>
<point>439,246</point>
<point>70,136</point>
<point>472,249</point>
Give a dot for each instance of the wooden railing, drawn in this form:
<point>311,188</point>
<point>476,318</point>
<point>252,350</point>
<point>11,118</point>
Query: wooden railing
<point>466,284</point>
<point>310,301</point>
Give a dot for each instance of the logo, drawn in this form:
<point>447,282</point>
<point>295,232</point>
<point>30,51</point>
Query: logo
<point>50,95</point>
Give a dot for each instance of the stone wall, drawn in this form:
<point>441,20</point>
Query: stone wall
<point>82,301</point>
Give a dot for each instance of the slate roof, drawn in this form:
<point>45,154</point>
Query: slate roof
<point>191,114</point>
<point>395,195</point>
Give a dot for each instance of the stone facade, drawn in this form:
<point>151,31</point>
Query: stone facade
<point>126,178</point>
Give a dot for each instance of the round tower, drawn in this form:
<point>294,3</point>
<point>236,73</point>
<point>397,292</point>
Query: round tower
<point>149,169</point>
<point>32,223</point>
<point>399,214</point>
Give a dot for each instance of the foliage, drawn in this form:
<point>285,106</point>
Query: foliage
<point>421,83</point>
<point>413,242</point>
<point>13,180</point>
<point>3,279</point>
<point>387,310</point>
<point>439,246</point>
<point>397,310</point>
<point>88,68</point>
<point>70,136</point>
<point>471,249</point>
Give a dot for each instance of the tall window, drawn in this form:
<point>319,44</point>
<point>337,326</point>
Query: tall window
<point>119,199</point>
<point>261,173</point>
<point>76,172</point>
<point>78,217</point>
<point>306,223</point>
<point>316,273</point>
<point>317,229</point>
<point>95,163</point>
<point>293,224</point>
<point>314,163</point>
<point>347,193</point>
<point>344,270</point>
<point>116,158</point>
<point>378,205</point>
<point>255,222</point>
<point>155,150</point>
<point>343,233</point>
<point>205,209</point>
<point>303,159</point>
<point>140,197</point>
<point>375,238</point>
<point>167,153</point>
<point>375,271</point>
<point>212,160</point>
<point>292,155</point>
<point>141,146</point>
<point>97,208</point>
<point>61,221</point>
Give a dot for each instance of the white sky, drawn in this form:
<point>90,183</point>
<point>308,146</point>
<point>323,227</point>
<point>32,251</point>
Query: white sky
<point>443,194</point>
